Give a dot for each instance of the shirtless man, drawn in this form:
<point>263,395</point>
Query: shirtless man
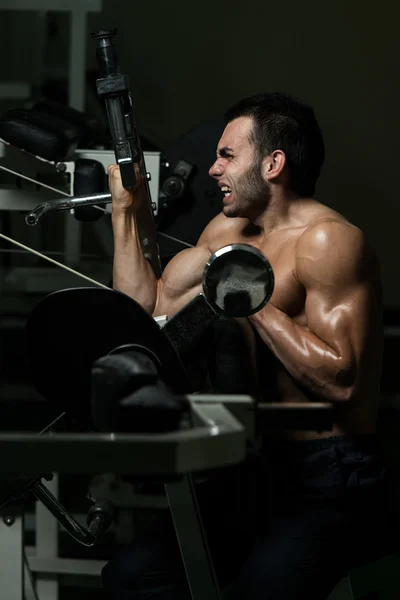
<point>322,327</point>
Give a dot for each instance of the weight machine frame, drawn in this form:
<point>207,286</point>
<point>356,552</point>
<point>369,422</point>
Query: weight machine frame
<point>223,429</point>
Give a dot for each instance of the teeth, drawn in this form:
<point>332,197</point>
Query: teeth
<point>226,189</point>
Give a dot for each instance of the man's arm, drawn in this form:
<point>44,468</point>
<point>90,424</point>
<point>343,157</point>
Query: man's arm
<point>179,283</point>
<point>182,278</point>
<point>341,308</point>
<point>133,275</point>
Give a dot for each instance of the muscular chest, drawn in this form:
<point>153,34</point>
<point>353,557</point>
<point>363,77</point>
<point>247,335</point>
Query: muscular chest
<point>280,250</point>
<point>288,295</point>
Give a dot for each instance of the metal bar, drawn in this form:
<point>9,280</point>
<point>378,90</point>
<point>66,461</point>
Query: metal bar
<point>30,592</point>
<point>47,544</point>
<point>208,445</point>
<point>213,409</point>
<point>220,439</point>
<point>192,539</point>
<point>75,530</point>
<point>12,581</point>
<point>152,454</point>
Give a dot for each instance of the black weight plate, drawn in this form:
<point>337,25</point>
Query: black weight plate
<point>69,329</point>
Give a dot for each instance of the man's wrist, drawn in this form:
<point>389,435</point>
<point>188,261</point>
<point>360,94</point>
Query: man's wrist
<point>120,213</point>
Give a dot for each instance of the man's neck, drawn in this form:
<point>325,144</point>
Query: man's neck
<point>283,212</point>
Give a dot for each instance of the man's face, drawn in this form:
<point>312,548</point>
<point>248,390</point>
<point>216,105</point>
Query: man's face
<point>238,172</point>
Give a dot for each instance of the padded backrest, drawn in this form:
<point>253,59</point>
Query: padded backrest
<point>39,134</point>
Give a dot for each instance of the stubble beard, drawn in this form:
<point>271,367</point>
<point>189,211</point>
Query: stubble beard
<point>251,194</point>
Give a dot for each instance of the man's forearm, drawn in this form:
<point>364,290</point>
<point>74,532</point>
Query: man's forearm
<point>307,358</point>
<point>132,273</point>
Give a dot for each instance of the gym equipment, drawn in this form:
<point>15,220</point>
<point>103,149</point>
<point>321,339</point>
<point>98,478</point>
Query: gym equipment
<point>132,372</point>
<point>64,317</point>
<point>51,137</point>
<point>238,288</point>
<point>112,85</point>
<point>64,338</point>
<point>72,176</point>
<point>237,281</point>
<point>26,128</point>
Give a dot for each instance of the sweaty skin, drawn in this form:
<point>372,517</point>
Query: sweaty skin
<point>323,321</point>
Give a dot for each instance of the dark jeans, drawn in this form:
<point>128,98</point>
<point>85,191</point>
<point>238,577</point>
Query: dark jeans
<point>320,510</point>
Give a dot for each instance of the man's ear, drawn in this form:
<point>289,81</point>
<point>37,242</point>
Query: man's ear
<point>273,165</point>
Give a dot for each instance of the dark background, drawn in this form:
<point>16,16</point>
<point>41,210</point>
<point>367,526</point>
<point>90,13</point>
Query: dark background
<point>189,61</point>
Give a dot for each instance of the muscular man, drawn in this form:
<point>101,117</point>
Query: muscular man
<point>321,333</point>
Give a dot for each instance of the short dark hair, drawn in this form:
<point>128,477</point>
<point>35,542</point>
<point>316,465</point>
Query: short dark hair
<point>285,123</point>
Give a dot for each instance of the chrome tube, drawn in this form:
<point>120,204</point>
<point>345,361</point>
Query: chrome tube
<point>79,533</point>
<point>38,213</point>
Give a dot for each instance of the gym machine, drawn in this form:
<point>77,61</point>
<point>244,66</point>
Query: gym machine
<point>60,150</point>
<point>131,408</point>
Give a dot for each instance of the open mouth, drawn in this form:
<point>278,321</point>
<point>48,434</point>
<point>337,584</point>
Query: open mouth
<point>227,191</point>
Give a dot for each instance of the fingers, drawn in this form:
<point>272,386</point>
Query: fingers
<point>114,178</point>
<point>113,172</point>
<point>121,198</point>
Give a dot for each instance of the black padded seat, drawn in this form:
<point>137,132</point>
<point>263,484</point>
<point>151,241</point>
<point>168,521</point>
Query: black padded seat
<point>45,136</point>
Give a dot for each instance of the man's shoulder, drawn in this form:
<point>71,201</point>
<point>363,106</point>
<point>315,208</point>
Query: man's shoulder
<point>332,247</point>
<point>327,229</point>
<point>222,230</point>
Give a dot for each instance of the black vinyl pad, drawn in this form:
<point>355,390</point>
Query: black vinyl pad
<point>41,135</point>
<point>70,329</point>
